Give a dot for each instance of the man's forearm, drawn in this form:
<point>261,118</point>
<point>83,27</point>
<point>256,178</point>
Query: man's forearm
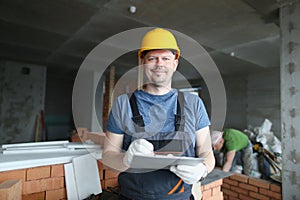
<point>114,160</point>
<point>112,155</point>
<point>209,161</point>
<point>204,148</point>
<point>226,166</point>
<point>229,156</point>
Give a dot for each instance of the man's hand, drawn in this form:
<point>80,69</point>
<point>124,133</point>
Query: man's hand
<point>137,147</point>
<point>190,174</point>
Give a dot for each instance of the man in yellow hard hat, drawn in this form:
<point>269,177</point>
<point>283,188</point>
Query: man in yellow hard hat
<point>158,120</point>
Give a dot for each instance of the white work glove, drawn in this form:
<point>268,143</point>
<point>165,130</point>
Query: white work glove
<point>137,147</point>
<point>190,174</point>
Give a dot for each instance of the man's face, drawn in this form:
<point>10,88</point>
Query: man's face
<point>159,66</point>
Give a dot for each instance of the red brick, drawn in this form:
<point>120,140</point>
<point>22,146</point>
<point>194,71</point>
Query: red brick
<point>56,194</point>
<point>13,175</point>
<point>35,186</point>
<point>110,174</point>
<point>276,196</point>
<point>57,170</point>
<point>112,182</point>
<point>218,196</point>
<point>75,138</point>
<point>226,197</point>
<point>230,193</point>
<point>248,187</point>
<point>225,185</point>
<point>275,188</point>
<point>239,190</point>
<point>41,185</point>
<point>239,177</point>
<point>245,197</point>
<point>213,184</point>
<point>34,196</point>
<point>100,165</point>
<point>11,189</point>
<point>231,182</point>
<point>270,193</point>
<point>259,183</point>
<point>54,183</point>
<point>206,194</point>
<point>216,190</point>
<point>233,198</point>
<point>38,173</point>
<point>258,196</point>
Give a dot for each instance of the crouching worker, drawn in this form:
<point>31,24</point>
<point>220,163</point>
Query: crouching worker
<point>237,148</point>
<point>158,119</point>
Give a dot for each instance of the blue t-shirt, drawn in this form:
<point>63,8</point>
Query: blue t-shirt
<point>158,112</point>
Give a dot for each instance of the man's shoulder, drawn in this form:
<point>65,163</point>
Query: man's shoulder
<point>190,96</point>
<point>124,96</point>
<point>121,100</point>
<point>192,100</point>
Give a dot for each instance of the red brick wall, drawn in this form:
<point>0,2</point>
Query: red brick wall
<point>239,186</point>
<point>212,191</point>
<point>108,178</point>
<point>48,183</point>
<point>40,182</point>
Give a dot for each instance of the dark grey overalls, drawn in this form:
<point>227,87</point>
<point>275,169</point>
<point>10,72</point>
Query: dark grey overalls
<point>161,183</point>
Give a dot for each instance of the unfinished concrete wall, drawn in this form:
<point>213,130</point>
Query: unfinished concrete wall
<point>58,106</point>
<point>236,93</point>
<point>22,93</point>
<point>263,98</point>
<point>251,98</point>
<point>290,98</point>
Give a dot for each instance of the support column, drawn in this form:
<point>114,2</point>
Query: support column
<point>290,97</point>
<point>83,98</point>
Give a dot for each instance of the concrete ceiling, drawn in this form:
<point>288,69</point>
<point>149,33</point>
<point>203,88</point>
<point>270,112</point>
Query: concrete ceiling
<point>60,33</point>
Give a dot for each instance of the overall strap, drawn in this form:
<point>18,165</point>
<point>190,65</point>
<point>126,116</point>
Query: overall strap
<point>137,118</point>
<point>179,116</point>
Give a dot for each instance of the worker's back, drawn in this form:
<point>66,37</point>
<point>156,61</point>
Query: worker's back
<point>234,140</point>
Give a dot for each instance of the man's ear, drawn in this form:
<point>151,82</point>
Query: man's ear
<point>142,61</point>
<point>175,64</point>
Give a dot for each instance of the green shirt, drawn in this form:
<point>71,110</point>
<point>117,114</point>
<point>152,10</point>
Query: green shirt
<point>234,140</point>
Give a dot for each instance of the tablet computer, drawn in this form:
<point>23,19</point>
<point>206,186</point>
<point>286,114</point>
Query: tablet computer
<point>162,161</point>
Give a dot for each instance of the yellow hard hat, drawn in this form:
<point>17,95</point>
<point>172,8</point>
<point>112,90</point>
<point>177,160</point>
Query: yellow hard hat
<point>159,38</point>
